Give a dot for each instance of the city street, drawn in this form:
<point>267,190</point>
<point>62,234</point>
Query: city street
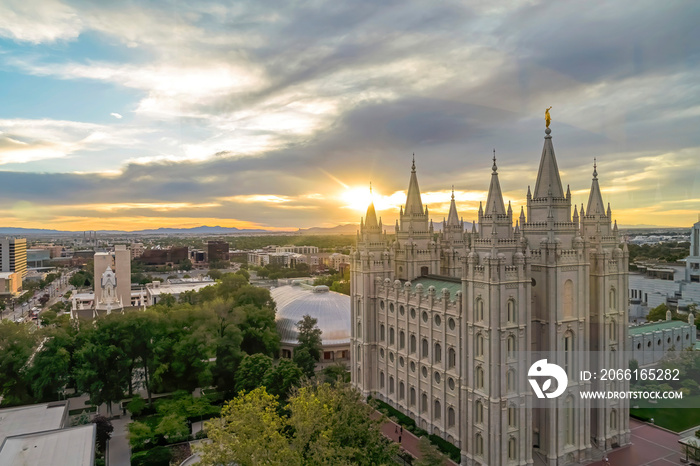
<point>19,311</point>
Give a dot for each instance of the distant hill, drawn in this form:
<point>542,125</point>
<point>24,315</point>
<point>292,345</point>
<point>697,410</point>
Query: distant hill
<point>347,229</point>
<point>202,230</point>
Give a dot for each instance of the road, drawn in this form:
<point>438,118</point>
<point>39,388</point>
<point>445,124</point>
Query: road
<point>55,290</point>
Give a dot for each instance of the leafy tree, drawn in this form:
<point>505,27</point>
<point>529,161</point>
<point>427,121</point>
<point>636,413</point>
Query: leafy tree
<point>251,372</point>
<point>51,367</point>
<point>280,379</point>
<point>185,264</point>
<point>336,373</point>
<point>136,405</point>
<point>259,330</point>
<point>215,274</point>
<point>104,431</point>
<point>303,359</point>
<point>309,349</point>
<point>103,369</point>
<point>332,425</point>
<point>250,432</point>
<point>16,346</point>
<point>430,455</point>
<point>140,435</point>
<point>158,456</point>
<point>173,427</point>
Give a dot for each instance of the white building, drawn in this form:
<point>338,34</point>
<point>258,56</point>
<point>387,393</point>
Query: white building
<point>648,343</point>
<point>444,330</point>
<point>330,309</point>
<point>175,287</point>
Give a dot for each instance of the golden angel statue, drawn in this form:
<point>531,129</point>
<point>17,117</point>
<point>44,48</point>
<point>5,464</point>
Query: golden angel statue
<point>547,118</point>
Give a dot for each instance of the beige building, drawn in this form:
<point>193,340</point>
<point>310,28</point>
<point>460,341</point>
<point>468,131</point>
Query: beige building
<point>446,326</point>
<point>13,255</point>
<point>136,250</point>
<point>10,284</point>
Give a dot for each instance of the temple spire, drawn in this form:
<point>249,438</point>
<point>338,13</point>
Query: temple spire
<point>371,216</point>
<point>453,217</point>
<point>414,205</point>
<point>548,175</point>
<point>595,198</point>
<point>494,201</point>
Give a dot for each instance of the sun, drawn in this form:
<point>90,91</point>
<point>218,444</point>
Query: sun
<point>356,198</point>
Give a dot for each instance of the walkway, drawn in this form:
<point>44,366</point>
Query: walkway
<point>119,450</point>
<point>651,446</point>
<point>409,442</point>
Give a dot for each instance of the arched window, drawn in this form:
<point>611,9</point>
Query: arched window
<point>450,416</point>
<point>436,410</point>
<point>569,421</point>
<point>391,384</point>
<point>479,412</point>
<point>391,335</point>
<point>381,379</point>
<point>359,375</point>
<point>613,420</point>
<point>613,299</point>
<point>402,339</point>
<point>479,444</point>
<point>568,299</point>
<point>511,311</point>
<point>451,358</point>
<point>423,403</point>
<point>359,329</point>
<point>511,449</point>
<point>479,377</point>
<point>359,352</point>
<point>437,356</point>
<point>402,390</point>
<point>510,345</point>
<point>381,332</point>
<point>412,399</point>
<point>479,344</point>
<point>413,344</point>
<point>568,352</point>
<point>613,331</point>
<point>510,380</point>
<point>479,310</point>
<point>512,417</point>
<point>424,348</point>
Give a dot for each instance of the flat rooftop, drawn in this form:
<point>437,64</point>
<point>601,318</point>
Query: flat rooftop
<point>31,418</point>
<point>656,326</point>
<point>63,447</point>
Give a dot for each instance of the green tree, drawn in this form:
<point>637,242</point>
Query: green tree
<point>51,366</point>
<point>16,344</point>
<point>309,348</point>
<point>103,369</point>
<point>336,373</point>
<point>185,264</point>
<point>430,455</point>
<point>140,435</point>
<point>136,405</point>
<point>280,379</point>
<point>173,427</point>
<point>250,433</point>
<point>332,425</point>
<point>251,372</point>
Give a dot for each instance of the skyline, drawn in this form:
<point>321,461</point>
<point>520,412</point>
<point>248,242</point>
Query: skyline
<point>279,117</point>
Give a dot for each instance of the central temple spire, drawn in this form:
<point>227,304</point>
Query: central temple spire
<point>548,175</point>
<point>494,201</point>
<point>414,205</point>
<point>453,217</point>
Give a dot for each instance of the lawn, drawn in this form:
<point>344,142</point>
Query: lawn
<point>675,415</point>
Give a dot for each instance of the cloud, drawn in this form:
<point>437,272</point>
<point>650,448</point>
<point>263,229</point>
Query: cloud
<point>243,107</point>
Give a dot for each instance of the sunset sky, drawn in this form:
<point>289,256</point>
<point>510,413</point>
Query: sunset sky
<point>132,115</point>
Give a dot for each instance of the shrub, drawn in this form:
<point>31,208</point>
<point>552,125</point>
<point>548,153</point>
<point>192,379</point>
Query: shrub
<point>158,456</point>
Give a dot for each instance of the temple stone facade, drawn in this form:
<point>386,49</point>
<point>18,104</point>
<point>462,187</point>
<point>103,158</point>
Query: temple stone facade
<point>446,325</point>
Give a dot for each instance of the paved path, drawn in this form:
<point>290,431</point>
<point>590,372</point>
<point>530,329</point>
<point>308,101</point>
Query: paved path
<point>651,446</point>
<point>409,442</point>
<point>119,450</point>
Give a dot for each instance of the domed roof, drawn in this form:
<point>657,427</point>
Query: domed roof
<point>331,309</point>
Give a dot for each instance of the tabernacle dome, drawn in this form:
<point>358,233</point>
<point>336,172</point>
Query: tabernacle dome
<point>330,309</point>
